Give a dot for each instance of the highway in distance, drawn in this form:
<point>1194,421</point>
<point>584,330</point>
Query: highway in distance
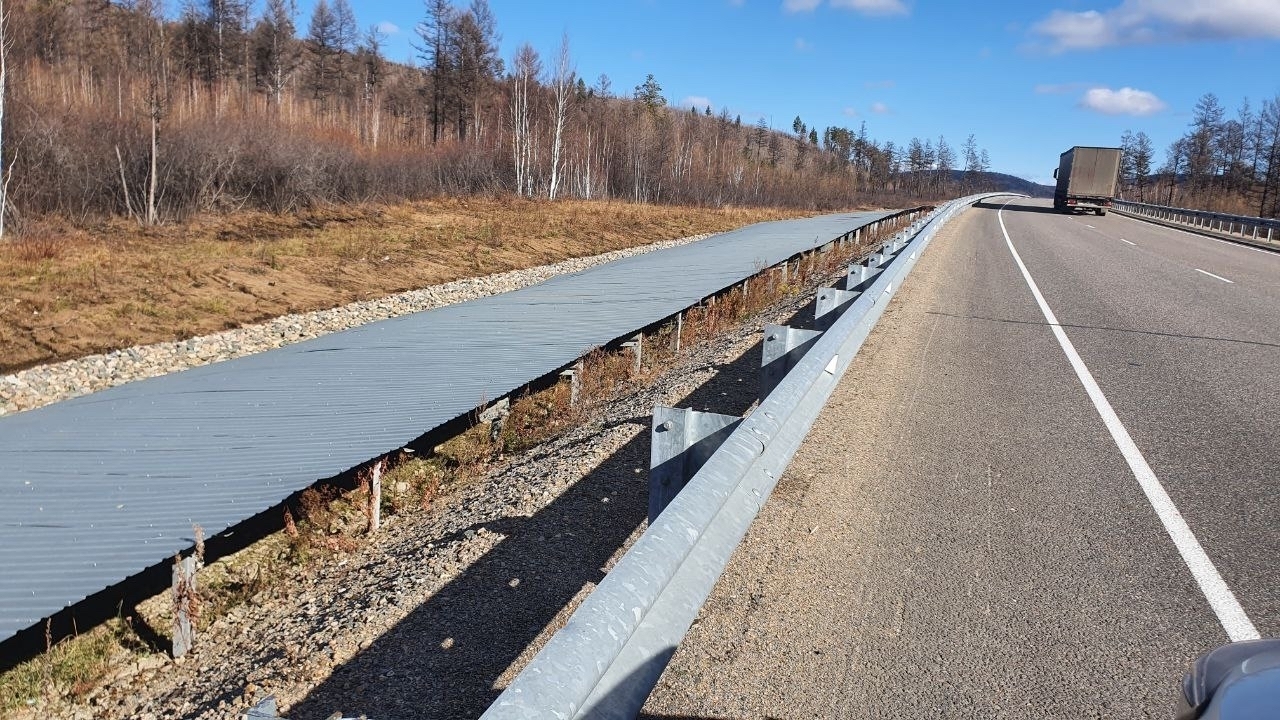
<point>1046,484</point>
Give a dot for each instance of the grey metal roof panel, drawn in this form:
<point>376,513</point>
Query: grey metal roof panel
<point>98,488</point>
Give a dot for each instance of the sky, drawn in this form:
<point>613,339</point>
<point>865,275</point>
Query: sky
<point>1029,79</point>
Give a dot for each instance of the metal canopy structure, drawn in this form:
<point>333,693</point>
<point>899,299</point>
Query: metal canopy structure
<point>97,489</point>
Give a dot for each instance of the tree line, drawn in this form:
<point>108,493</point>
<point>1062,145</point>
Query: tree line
<point>115,109</point>
<point>1221,164</point>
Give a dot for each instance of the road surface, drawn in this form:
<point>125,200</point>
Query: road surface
<point>970,532</point>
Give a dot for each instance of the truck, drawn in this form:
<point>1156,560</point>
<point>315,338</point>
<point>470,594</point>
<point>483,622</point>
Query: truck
<point>1086,179</point>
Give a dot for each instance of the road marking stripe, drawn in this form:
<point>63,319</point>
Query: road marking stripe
<point>1221,599</point>
<point>1219,277</point>
<point>1131,243</point>
<point>1242,246</point>
<point>1090,226</point>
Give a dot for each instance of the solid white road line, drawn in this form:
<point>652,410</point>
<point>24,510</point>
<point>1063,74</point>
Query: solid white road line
<point>1218,277</point>
<point>1131,243</point>
<point>1221,599</point>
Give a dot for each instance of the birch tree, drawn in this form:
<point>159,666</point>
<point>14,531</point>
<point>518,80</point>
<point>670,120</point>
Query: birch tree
<point>4,87</point>
<point>562,82</point>
<point>525,69</point>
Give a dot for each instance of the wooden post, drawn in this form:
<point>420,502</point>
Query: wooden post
<point>375,498</point>
<point>185,605</point>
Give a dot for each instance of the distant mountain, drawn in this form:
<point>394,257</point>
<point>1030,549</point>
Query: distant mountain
<point>1001,182</point>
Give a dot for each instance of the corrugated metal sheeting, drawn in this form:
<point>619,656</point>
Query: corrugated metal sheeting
<point>99,488</point>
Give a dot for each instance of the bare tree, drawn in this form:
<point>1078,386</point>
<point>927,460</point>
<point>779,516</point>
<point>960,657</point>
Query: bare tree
<point>157,99</point>
<point>4,87</point>
<point>277,57</point>
<point>562,84</point>
<point>372,70</point>
<point>525,69</point>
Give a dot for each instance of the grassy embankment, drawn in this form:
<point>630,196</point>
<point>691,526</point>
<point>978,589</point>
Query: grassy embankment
<point>68,292</point>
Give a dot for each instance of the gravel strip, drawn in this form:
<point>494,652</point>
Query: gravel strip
<point>46,384</point>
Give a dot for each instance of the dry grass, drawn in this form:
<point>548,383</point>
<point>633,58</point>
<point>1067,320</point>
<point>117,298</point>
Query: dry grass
<point>68,292</point>
<point>70,668</point>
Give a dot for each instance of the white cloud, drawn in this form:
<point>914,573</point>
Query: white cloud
<point>879,108</point>
<point>1125,101</point>
<point>866,7</point>
<point>696,101</point>
<point>850,112</point>
<point>873,7</point>
<point>794,6</point>
<point>1139,22</point>
<point>388,28</point>
<point>803,45</point>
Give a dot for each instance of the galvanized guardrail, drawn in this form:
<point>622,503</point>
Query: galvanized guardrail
<point>609,656</point>
<point>1261,230</point>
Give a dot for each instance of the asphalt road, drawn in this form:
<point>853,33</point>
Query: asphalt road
<point>964,536</point>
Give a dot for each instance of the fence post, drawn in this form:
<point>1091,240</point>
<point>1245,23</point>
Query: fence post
<point>375,498</point>
<point>185,605</point>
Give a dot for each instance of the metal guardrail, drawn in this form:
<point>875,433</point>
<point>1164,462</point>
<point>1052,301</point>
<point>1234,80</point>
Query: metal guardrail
<point>609,656</point>
<point>1241,226</point>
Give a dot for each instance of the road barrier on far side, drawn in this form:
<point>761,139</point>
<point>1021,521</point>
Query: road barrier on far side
<point>1252,230</point>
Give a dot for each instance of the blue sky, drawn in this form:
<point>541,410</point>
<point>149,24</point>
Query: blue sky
<point>1029,79</point>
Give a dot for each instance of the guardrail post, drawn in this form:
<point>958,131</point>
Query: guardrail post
<point>575,382</point>
<point>184,605</point>
<point>675,344</point>
<point>683,440</point>
<point>637,346</point>
<point>782,348</point>
<point>862,274</point>
<point>831,303</point>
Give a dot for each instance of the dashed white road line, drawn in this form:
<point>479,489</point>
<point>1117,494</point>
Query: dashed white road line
<point>1206,237</point>
<point>1221,599</point>
<point>1217,277</point>
<point>1131,243</point>
<point>1090,226</point>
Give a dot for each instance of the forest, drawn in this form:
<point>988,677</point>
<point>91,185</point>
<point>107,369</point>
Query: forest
<point>117,109</point>
<point>1221,164</point>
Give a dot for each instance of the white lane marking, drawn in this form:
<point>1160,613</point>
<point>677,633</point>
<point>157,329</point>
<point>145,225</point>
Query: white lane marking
<point>1221,599</point>
<point>1090,226</point>
<point>1131,243</point>
<point>1219,277</point>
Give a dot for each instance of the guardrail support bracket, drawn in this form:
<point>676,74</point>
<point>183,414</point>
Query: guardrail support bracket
<point>683,440</point>
<point>783,348</point>
<point>831,303</point>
